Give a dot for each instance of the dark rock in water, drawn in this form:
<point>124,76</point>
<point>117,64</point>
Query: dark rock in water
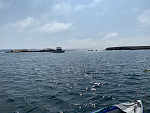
<point>129,48</point>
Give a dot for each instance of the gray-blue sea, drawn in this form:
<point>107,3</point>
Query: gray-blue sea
<point>71,82</point>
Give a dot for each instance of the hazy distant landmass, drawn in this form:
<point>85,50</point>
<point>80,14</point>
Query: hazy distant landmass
<point>129,48</point>
<point>4,50</point>
<point>9,50</point>
<point>49,49</point>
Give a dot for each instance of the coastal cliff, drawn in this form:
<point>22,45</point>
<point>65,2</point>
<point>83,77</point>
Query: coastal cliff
<point>129,48</point>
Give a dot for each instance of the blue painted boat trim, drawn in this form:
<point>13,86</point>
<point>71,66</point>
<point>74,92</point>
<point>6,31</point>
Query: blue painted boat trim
<point>106,109</point>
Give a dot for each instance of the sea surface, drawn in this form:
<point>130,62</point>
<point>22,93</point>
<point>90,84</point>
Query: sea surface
<point>71,82</point>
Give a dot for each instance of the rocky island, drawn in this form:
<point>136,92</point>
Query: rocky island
<point>129,48</point>
<point>26,50</point>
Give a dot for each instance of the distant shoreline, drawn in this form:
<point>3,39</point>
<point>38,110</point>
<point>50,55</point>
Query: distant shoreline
<point>26,50</point>
<point>50,50</point>
<point>129,48</point>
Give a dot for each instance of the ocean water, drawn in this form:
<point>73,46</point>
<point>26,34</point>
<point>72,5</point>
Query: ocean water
<point>71,82</point>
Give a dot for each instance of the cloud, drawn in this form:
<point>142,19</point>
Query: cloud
<point>32,24</point>
<point>110,35</point>
<point>20,25</point>
<point>53,27</point>
<point>62,8</point>
<point>36,2</point>
<point>144,18</point>
<point>103,6</point>
<point>94,3</point>
<point>79,7</point>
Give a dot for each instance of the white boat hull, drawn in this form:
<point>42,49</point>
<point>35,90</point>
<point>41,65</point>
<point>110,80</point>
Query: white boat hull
<point>131,107</point>
<point>128,107</point>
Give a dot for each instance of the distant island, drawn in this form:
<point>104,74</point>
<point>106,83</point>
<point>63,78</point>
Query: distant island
<point>26,50</point>
<point>129,48</point>
<point>57,50</point>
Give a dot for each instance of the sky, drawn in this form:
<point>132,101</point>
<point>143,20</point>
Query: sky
<point>74,24</point>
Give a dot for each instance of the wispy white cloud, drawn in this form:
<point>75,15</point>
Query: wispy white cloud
<point>32,24</point>
<point>20,25</point>
<point>36,2</point>
<point>79,7</point>
<point>110,35</point>
<point>94,3</point>
<point>53,27</point>
<point>62,8</point>
<point>102,5</point>
<point>144,18</point>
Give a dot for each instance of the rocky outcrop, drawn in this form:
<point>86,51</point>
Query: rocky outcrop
<point>44,50</point>
<point>25,50</point>
<point>19,50</point>
<point>129,48</point>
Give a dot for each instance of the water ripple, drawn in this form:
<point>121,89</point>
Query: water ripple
<point>70,82</point>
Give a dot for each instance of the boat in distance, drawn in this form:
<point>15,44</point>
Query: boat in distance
<point>58,50</point>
